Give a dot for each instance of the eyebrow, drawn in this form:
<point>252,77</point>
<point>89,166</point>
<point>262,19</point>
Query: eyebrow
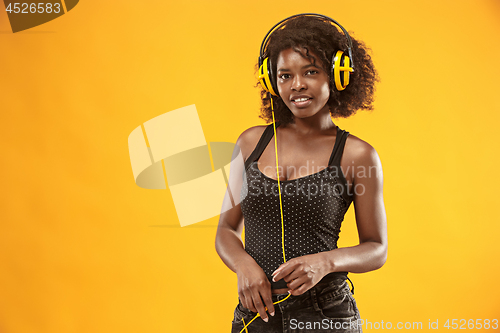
<point>303,67</point>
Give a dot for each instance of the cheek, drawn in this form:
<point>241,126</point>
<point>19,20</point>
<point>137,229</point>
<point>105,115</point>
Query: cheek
<point>281,87</point>
<point>325,91</point>
<point>284,92</point>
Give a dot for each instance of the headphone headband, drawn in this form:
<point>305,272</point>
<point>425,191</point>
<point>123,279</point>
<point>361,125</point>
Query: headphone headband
<point>280,23</point>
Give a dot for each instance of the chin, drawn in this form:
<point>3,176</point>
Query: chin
<point>303,113</point>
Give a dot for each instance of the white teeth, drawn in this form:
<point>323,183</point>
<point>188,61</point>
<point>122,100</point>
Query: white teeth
<point>301,99</point>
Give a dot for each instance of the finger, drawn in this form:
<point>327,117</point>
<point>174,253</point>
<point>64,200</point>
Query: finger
<point>268,301</point>
<point>296,283</point>
<point>301,289</point>
<point>259,305</point>
<point>284,271</point>
<point>295,274</point>
<point>247,302</point>
<point>280,268</point>
<point>242,299</point>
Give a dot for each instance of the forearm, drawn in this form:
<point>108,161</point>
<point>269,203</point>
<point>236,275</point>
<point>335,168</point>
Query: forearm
<point>229,246</point>
<point>365,257</point>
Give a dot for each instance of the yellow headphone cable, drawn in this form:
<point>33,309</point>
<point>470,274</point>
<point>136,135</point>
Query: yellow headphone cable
<point>281,210</point>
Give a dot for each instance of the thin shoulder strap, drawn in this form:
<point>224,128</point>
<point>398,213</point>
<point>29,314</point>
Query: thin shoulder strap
<point>335,161</point>
<point>338,148</point>
<point>261,145</point>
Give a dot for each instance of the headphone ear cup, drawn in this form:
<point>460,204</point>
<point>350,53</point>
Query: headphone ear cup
<point>341,70</point>
<point>272,78</point>
<point>266,77</point>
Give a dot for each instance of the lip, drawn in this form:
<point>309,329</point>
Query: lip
<point>303,104</point>
<point>294,97</point>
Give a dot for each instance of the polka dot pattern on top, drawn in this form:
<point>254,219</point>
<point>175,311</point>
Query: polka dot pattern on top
<point>313,210</point>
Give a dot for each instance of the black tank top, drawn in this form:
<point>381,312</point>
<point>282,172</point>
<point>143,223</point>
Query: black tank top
<point>313,209</point>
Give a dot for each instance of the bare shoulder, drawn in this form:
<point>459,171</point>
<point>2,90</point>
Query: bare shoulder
<point>360,153</point>
<point>247,141</point>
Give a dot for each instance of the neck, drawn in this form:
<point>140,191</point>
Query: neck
<point>322,121</point>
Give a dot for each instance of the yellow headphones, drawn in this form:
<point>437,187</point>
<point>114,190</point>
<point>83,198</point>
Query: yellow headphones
<point>342,64</point>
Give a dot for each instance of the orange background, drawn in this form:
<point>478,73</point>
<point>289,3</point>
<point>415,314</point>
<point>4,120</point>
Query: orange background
<point>84,249</point>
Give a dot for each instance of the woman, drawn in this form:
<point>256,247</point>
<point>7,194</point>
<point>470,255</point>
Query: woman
<point>298,178</point>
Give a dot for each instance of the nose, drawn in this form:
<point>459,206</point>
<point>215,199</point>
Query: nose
<point>299,83</point>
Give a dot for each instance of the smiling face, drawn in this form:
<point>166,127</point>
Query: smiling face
<point>303,86</point>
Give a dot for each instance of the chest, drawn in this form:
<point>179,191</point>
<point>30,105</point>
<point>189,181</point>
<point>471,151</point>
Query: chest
<point>296,159</point>
<point>303,159</point>
<point>318,195</point>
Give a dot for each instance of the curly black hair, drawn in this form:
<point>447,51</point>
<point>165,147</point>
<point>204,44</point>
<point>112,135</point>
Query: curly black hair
<point>320,37</point>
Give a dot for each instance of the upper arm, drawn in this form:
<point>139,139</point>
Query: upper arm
<point>368,195</point>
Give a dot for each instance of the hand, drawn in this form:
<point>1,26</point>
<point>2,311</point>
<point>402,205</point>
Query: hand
<point>302,273</point>
<point>254,289</point>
